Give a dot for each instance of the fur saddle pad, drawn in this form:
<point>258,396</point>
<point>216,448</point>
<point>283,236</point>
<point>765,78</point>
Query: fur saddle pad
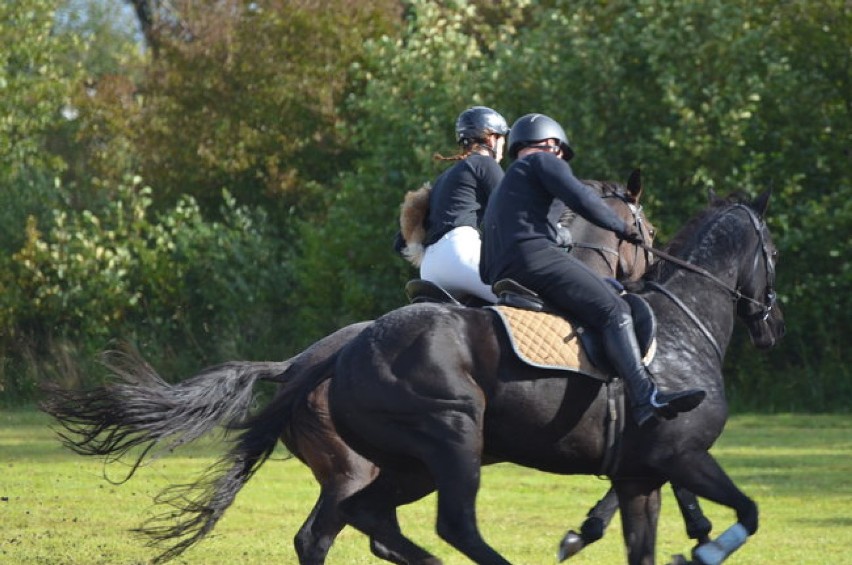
<point>546,341</point>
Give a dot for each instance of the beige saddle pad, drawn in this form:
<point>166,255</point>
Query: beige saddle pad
<point>546,340</point>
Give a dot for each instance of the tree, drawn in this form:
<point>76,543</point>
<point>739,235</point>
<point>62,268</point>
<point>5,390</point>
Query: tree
<point>246,96</point>
<point>738,95</point>
<point>35,88</point>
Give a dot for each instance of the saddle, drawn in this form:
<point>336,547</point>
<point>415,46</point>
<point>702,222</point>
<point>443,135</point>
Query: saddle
<point>420,291</point>
<point>544,338</point>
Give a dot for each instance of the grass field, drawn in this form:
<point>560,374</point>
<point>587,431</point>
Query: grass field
<point>56,508</point>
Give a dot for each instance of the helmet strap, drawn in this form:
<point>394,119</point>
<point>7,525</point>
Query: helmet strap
<point>488,148</point>
<point>474,144</point>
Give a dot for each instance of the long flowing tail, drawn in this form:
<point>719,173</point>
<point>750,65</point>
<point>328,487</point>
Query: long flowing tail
<point>196,508</point>
<point>140,409</point>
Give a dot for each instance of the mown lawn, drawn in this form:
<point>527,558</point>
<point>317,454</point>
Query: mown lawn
<point>56,507</point>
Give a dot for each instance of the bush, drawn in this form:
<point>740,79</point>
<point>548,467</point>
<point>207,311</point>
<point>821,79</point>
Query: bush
<point>189,290</point>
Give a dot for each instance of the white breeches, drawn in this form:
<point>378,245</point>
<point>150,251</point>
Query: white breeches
<point>453,263</point>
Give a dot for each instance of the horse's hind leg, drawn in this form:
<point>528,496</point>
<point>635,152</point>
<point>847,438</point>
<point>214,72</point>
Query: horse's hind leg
<point>639,501</point>
<point>316,535</point>
<point>372,510</point>
<point>455,464</point>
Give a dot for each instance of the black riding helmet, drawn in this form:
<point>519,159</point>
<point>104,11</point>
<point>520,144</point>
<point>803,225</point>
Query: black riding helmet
<point>535,128</point>
<point>478,122</point>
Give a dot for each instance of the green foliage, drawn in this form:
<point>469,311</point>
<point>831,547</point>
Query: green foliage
<point>738,95</point>
<point>34,86</point>
<point>325,114</point>
<point>102,110</point>
<point>169,281</point>
<point>251,101</point>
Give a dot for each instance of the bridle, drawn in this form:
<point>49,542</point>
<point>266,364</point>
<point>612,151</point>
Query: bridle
<point>764,308</point>
<point>638,222</point>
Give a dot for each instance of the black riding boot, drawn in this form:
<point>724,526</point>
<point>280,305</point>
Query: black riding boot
<point>623,351</point>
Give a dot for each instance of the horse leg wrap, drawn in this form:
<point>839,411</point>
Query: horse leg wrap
<point>718,550</point>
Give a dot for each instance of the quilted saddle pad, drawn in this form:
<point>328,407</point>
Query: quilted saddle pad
<point>545,340</point>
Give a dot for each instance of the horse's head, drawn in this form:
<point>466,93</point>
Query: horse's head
<point>757,305</point>
<point>623,260</point>
<point>633,260</point>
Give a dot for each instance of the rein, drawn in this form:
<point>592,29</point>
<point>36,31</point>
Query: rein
<point>764,308</point>
<point>695,319</point>
<point>735,293</point>
<point>636,211</point>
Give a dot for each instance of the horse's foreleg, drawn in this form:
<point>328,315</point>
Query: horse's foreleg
<point>716,551</point>
<point>703,475</point>
<point>698,526</point>
<point>593,527</point>
<point>639,501</point>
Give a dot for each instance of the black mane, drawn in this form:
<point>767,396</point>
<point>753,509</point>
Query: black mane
<point>688,234</point>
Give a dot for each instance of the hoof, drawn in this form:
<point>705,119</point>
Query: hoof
<point>679,560</point>
<point>571,545</point>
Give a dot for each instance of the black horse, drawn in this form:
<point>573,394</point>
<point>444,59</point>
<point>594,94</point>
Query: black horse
<point>428,391</point>
<point>110,420</point>
<point>176,414</point>
<point>175,420</point>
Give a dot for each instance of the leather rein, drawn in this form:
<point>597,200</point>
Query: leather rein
<point>764,308</point>
<point>636,211</point>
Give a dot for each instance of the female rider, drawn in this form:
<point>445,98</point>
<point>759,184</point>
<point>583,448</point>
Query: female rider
<point>457,202</point>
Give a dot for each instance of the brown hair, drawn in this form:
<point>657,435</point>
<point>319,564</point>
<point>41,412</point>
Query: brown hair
<point>466,148</point>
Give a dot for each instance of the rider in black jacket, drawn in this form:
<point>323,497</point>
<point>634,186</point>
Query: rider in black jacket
<point>520,242</point>
<point>457,203</point>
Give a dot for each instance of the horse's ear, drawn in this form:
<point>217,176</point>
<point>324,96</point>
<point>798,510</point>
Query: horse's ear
<point>761,203</point>
<point>634,185</point>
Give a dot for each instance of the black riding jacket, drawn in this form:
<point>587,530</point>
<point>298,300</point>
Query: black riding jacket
<point>460,194</point>
<point>524,209</point>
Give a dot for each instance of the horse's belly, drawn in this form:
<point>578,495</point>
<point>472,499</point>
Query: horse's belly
<point>555,424</point>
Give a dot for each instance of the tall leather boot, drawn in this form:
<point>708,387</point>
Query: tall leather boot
<point>648,403</point>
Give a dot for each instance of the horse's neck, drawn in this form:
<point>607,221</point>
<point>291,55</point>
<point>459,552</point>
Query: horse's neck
<point>719,253</point>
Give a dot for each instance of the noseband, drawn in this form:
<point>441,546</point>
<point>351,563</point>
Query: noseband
<point>764,309</point>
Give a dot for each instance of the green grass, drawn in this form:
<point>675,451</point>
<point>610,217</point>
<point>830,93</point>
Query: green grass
<point>57,509</point>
